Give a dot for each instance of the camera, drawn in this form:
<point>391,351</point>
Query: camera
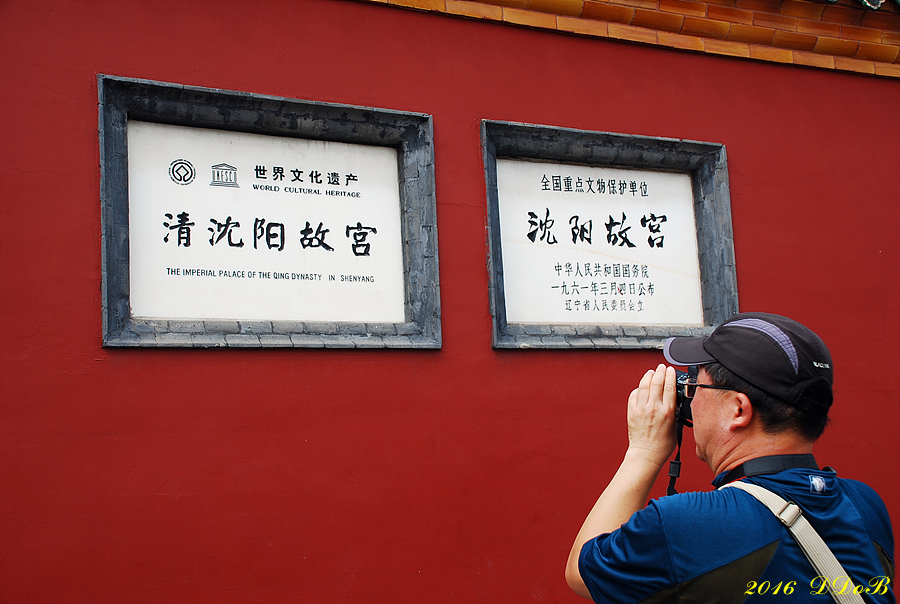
<point>682,418</point>
<point>682,402</point>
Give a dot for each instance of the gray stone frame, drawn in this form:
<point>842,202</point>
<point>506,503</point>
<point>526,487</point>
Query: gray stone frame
<point>704,162</point>
<point>411,134</point>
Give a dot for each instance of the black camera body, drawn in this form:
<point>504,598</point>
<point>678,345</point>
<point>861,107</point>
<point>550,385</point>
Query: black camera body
<point>682,402</point>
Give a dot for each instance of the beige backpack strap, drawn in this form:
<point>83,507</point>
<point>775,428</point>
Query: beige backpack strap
<point>818,554</point>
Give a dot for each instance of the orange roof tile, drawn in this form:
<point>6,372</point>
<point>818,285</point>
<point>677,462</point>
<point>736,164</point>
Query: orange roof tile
<point>842,35</point>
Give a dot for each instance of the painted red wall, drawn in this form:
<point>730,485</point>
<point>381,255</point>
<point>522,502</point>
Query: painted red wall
<point>459,475</point>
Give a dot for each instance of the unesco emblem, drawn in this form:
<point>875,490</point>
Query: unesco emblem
<point>224,175</point>
<point>182,172</point>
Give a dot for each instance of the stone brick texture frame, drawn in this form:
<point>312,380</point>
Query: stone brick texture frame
<point>707,166</point>
<point>410,133</point>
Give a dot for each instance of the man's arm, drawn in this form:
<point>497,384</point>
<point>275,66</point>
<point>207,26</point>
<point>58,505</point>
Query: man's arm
<point>651,441</point>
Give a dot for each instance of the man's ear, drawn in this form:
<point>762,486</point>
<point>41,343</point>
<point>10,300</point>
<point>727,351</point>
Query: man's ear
<point>742,410</point>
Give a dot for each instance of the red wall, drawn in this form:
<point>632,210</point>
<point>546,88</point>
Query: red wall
<point>459,475</point>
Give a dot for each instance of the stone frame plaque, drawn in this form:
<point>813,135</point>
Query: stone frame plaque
<point>703,163</point>
<point>408,136</point>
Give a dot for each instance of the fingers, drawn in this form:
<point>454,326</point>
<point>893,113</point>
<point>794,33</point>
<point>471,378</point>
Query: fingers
<point>653,383</point>
<point>670,388</point>
<point>657,381</point>
<point>651,412</point>
<point>642,393</point>
<point>656,393</point>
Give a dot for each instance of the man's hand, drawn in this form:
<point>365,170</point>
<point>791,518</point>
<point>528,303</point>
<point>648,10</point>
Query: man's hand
<point>651,415</point>
<point>651,441</point>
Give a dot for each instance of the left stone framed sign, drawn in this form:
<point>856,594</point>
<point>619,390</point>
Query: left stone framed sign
<point>240,220</point>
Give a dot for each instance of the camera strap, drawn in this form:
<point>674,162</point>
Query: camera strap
<point>769,464</point>
<point>675,464</point>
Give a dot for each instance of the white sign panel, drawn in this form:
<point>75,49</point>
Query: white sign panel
<point>237,226</point>
<point>584,244</point>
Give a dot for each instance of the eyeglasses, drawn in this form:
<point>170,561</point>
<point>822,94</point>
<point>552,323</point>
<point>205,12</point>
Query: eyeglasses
<point>689,386</point>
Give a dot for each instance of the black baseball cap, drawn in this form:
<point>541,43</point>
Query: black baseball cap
<point>776,354</point>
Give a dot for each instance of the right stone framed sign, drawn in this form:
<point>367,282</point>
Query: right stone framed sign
<point>601,240</point>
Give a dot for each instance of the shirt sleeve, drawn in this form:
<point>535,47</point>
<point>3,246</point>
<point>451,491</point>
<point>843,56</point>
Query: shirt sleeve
<point>631,563</point>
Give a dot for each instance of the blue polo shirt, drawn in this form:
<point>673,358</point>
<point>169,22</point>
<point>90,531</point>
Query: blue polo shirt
<point>725,546</point>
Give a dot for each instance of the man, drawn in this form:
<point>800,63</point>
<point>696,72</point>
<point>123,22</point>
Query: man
<point>760,400</point>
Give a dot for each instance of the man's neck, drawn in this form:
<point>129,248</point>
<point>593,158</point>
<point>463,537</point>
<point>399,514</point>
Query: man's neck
<point>762,445</point>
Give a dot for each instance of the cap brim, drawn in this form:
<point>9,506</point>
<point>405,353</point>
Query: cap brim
<point>686,351</point>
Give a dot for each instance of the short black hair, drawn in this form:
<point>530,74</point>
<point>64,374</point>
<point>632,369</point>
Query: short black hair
<point>777,415</point>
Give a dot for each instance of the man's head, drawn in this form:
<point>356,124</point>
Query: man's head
<point>784,368</point>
